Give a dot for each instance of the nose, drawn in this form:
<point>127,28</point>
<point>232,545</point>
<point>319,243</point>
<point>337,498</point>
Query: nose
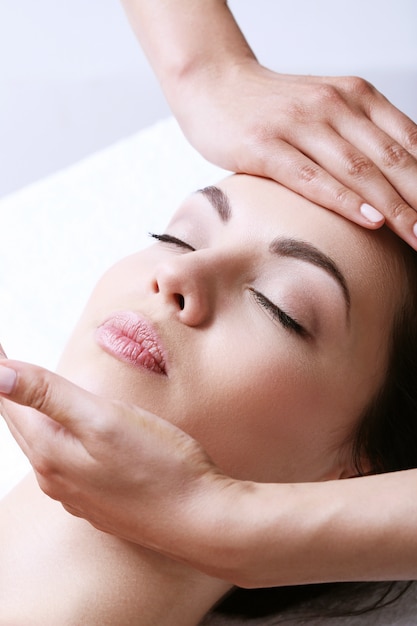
<point>188,285</point>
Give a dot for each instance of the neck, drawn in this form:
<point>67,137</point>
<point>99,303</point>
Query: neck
<point>87,576</point>
<point>164,592</point>
<point>174,593</point>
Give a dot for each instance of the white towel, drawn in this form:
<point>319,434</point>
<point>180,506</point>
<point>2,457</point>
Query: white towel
<point>60,234</point>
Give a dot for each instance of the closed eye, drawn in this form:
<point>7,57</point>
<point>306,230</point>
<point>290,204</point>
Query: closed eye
<point>283,318</point>
<point>165,238</point>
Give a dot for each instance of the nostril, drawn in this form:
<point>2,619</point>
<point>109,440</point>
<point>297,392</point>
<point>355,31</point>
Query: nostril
<point>180,300</point>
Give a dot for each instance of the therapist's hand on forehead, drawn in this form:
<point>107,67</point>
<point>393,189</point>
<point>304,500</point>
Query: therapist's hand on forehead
<point>335,140</point>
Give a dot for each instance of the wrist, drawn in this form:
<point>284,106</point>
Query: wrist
<point>213,527</point>
<point>201,94</point>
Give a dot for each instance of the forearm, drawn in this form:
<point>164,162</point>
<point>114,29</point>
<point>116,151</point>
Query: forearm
<point>258,535</point>
<point>184,39</point>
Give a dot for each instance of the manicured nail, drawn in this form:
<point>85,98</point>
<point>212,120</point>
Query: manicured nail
<point>7,379</point>
<point>370,213</point>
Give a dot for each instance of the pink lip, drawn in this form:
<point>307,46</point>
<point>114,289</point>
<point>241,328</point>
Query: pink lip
<point>132,339</point>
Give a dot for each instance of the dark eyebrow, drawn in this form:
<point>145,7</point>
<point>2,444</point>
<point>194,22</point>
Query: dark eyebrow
<point>218,200</point>
<point>283,246</point>
<point>304,251</point>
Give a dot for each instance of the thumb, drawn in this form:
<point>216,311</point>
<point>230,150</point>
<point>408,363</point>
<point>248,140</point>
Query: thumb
<point>50,394</point>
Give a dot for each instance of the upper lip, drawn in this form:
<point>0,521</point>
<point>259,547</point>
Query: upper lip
<point>139,329</point>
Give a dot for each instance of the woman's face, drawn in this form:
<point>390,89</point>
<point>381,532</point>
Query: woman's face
<point>259,323</point>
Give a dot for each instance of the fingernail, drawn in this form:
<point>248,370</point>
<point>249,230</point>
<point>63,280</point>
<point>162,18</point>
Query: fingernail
<point>7,379</point>
<point>2,352</point>
<point>415,229</point>
<point>370,213</point>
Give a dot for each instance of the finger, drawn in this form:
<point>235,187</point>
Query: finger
<point>400,170</point>
<point>18,434</point>
<point>68,421</point>
<point>393,122</point>
<point>289,166</point>
<point>359,173</point>
<point>397,165</point>
<point>50,394</point>
<point>358,93</point>
<point>47,445</point>
<point>22,424</point>
<point>4,406</point>
<point>37,437</point>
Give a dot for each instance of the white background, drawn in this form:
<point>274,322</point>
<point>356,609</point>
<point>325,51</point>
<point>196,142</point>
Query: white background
<point>73,79</point>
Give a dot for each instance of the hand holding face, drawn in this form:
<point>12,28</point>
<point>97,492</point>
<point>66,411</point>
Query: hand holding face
<point>125,470</point>
<point>337,141</point>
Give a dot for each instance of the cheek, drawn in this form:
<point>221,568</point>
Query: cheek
<point>259,416</point>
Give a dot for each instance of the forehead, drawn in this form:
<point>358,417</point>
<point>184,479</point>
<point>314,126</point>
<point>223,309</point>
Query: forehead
<point>263,209</point>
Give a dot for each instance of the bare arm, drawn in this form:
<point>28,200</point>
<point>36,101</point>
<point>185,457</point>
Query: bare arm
<point>246,533</point>
<point>335,140</point>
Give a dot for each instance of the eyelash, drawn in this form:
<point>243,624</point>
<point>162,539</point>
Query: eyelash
<point>165,238</point>
<point>278,314</point>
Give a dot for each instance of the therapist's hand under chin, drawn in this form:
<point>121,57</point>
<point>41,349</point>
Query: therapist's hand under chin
<point>125,470</point>
<point>137,476</point>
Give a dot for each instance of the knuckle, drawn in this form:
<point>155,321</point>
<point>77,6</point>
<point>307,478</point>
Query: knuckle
<point>103,431</point>
<point>261,134</point>
<point>71,509</point>
<point>307,173</point>
<point>48,487</point>
<point>394,156</point>
<point>410,141</point>
<point>38,395</point>
<point>357,85</point>
<point>104,426</point>
<point>358,166</point>
<point>328,94</point>
<point>397,210</point>
<point>257,151</point>
<point>254,153</point>
<point>44,471</point>
<point>50,481</point>
<point>297,111</point>
<point>342,196</point>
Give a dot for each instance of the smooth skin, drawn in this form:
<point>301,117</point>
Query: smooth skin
<point>335,140</point>
<point>330,162</point>
<point>271,534</point>
<point>162,490</point>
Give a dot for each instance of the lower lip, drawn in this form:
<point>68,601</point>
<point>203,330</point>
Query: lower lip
<point>132,340</point>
